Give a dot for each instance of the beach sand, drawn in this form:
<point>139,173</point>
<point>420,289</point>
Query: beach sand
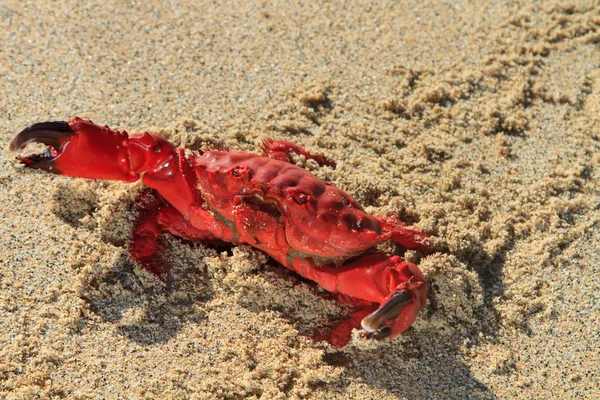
<point>479,124</point>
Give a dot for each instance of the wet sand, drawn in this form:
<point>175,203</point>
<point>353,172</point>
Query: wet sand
<point>479,124</point>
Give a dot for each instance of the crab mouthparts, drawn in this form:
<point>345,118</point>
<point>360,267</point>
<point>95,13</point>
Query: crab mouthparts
<point>52,134</point>
<point>374,323</point>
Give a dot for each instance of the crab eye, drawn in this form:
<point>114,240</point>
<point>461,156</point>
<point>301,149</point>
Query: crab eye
<point>301,198</point>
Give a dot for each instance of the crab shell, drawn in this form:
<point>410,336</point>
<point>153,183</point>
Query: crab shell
<point>316,217</point>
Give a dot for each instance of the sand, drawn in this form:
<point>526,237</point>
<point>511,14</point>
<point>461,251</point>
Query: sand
<point>477,123</point>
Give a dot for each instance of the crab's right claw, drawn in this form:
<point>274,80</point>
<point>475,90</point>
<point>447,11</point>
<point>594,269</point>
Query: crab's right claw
<point>77,148</point>
<point>52,134</point>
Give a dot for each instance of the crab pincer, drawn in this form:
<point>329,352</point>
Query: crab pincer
<point>374,323</point>
<point>306,224</point>
<point>75,148</point>
<point>52,134</point>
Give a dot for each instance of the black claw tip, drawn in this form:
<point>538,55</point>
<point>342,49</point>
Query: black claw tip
<point>48,133</point>
<point>389,310</point>
<point>381,333</point>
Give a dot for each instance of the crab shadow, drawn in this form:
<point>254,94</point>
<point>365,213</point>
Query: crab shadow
<point>418,368</point>
<point>415,366</point>
<point>437,361</point>
<point>427,365</point>
<point>145,311</point>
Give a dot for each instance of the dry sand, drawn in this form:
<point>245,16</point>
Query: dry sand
<point>478,123</point>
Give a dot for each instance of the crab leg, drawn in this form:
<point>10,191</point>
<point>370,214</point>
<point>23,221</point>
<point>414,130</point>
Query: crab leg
<point>156,216</point>
<point>404,236</point>
<point>281,149</point>
<point>83,149</point>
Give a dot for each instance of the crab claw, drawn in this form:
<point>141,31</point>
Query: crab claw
<point>52,134</point>
<point>48,133</point>
<point>374,323</point>
<point>397,285</point>
<point>82,149</point>
<point>77,148</point>
<point>398,312</point>
<point>400,309</point>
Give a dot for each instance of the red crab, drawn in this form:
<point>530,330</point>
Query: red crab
<point>306,224</point>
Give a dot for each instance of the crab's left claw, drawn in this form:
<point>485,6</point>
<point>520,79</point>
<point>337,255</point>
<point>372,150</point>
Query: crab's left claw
<point>400,309</point>
<point>80,148</point>
<point>398,286</point>
<point>375,323</point>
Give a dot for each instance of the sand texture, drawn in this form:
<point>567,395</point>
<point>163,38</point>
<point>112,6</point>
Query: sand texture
<point>477,123</point>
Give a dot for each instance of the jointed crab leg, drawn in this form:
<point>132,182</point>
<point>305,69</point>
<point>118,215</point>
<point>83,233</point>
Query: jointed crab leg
<point>281,149</point>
